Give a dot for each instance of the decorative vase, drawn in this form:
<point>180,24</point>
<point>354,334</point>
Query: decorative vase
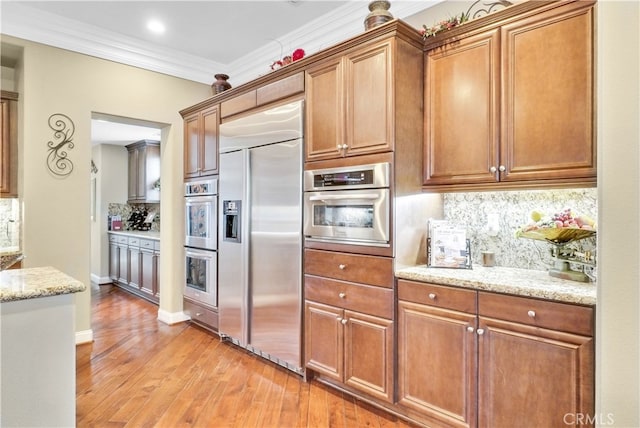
<point>220,84</point>
<point>379,14</point>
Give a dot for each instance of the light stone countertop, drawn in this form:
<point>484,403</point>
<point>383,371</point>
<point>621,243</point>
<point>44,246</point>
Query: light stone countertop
<point>137,233</point>
<point>520,282</point>
<point>31,283</point>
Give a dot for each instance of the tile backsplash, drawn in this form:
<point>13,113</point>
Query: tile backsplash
<point>9,223</point>
<point>512,210</point>
<point>125,210</point>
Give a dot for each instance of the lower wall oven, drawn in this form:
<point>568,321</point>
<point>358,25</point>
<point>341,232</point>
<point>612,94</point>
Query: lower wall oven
<point>201,276</point>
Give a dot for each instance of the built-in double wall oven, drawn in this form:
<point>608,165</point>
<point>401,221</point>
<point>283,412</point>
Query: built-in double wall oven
<point>201,241</point>
<point>348,205</point>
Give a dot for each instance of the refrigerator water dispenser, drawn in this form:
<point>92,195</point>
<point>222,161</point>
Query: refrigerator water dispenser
<point>231,220</point>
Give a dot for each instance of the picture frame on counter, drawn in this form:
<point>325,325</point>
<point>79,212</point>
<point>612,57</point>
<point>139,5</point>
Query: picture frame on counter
<point>448,246</point>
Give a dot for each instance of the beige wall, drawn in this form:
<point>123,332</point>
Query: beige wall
<point>57,225</point>
<point>618,310</point>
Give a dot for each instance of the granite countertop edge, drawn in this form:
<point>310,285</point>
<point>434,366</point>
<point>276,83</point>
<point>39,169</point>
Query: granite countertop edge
<point>148,234</point>
<point>32,283</point>
<point>519,282</point>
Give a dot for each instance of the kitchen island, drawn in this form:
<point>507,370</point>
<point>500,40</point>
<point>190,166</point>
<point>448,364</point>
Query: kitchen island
<point>37,347</point>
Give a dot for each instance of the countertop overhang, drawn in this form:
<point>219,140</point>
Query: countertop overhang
<point>31,283</point>
<point>137,233</point>
<point>519,282</point>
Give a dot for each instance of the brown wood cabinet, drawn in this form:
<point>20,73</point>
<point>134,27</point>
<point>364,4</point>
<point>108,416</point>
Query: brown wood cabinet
<point>513,104</point>
<point>349,329</point>
<point>533,359</point>
<point>356,100</point>
<point>144,171</point>
<point>201,142</point>
<point>437,354</point>
<point>9,144</point>
<point>134,265</point>
<point>540,356</point>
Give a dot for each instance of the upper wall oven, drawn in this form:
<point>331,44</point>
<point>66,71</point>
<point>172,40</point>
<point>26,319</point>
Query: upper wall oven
<point>201,221</point>
<point>349,205</point>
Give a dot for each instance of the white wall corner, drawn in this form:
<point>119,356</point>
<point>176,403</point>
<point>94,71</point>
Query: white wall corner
<point>171,318</point>
<point>84,336</point>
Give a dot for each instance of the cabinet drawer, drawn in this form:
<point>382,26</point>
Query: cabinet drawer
<point>134,242</point>
<point>437,295</point>
<point>122,239</point>
<point>282,88</point>
<point>156,245</point>
<point>113,238</point>
<point>147,243</point>
<point>371,270</point>
<point>238,104</point>
<point>201,314</point>
<point>538,313</point>
<point>356,297</point>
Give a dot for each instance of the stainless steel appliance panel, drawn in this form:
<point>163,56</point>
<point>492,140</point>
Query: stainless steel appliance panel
<point>276,250</point>
<point>233,254</point>
<point>201,209</point>
<point>200,276</point>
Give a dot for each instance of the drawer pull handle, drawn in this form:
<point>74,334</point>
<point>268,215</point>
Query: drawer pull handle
<point>342,295</point>
<point>344,321</point>
<point>198,314</point>
<point>470,329</point>
<point>342,267</point>
<point>432,296</point>
<point>532,314</point>
<point>480,331</point>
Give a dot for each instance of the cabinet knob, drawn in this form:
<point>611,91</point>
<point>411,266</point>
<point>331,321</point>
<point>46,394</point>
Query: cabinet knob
<point>493,169</point>
<point>532,314</point>
<point>342,295</point>
<point>342,267</point>
<point>345,146</point>
<point>470,329</point>
<point>198,314</point>
<point>502,168</point>
<point>480,331</point>
<point>344,321</point>
<point>432,296</point>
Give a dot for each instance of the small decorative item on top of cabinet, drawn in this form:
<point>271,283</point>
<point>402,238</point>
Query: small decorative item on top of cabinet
<point>221,84</point>
<point>379,14</point>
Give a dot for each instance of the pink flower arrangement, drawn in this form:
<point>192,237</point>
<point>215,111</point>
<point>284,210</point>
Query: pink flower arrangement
<point>288,59</point>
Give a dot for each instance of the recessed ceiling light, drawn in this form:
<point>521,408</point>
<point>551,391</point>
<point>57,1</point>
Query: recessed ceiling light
<point>155,26</point>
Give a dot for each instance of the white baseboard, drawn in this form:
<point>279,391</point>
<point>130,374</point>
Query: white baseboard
<point>100,279</point>
<point>84,336</point>
<point>172,317</point>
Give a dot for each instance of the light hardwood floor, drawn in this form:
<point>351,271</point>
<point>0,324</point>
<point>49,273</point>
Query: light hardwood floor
<point>139,372</point>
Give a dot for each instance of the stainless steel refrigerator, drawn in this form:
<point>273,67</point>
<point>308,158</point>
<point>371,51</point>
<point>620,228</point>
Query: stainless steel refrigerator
<point>260,235</point>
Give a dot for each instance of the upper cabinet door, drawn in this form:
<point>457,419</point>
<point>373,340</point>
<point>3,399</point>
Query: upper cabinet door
<point>369,99</point>
<point>462,80</point>
<point>201,143</point>
<point>548,103</point>
<point>324,134</point>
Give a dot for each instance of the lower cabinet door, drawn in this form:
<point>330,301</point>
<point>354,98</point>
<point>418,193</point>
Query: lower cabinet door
<point>437,364</point>
<point>114,261</point>
<point>533,376</point>
<point>134,267</point>
<point>323,339</point>
<point>147,272</point>
<point>123,265</point>
<point>368,343</point>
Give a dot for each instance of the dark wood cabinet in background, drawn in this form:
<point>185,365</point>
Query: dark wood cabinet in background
<point>9,144</point>
<point>513,104</point>
<point>144,171</point>
<point>134,265</point>
<point>201,143</point>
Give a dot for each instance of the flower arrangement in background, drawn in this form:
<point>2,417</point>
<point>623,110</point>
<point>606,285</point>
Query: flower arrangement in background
<point>447,24</point>
<point>288,59</point>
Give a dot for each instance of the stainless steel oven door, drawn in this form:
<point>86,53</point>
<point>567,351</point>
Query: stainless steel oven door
<point>201,222</point>
<point>359,217</point>
<point>201,276</point>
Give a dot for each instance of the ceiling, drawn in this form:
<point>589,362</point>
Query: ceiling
<point>202,38</point>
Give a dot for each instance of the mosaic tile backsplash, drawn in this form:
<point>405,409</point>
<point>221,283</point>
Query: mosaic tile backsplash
<point>511,210</point>
<point>125,210</point>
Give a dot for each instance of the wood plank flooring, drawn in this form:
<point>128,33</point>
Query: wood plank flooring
<point>139,372</point>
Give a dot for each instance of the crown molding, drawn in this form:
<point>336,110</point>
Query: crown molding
<point>53,30</point>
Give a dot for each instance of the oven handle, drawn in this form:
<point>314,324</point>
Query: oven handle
<point>343,197</point>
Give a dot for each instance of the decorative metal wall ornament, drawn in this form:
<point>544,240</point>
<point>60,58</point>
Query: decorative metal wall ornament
<point>57,160</point>
<point>94,168</point>
<point>489,6</point>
